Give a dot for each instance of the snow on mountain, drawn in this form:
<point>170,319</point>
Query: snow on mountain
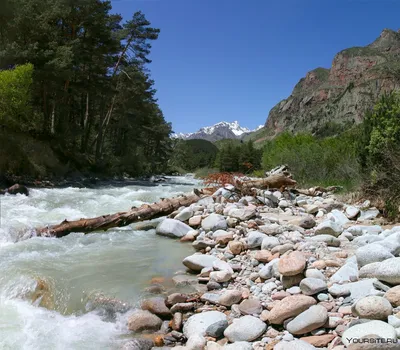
<point>219,131</point>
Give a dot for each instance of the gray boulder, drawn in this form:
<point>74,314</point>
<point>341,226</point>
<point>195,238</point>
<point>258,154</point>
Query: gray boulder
<point>214,222</point>
<point>254,239</point>
<point>197,262</point>
<point>172,228</point>
<point>307,321</point>
<point>371,253</point>
<point>199,323</point>
<point>329,227</point>
<point>246,328</point>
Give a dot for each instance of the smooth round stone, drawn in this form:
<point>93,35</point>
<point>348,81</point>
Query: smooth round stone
<point>250,307</point>
<point>292,264</point>
<point>323,297</point>
<point>199,323</point>
<point>311,286</point>
<point>246,328</point>
<point>314,273</point>
<point>393,295</point>
<point>294,290</point>
<point>371,253</point>
<point>313,318</point>
<point>288,307</point>
<point>379,328</point>
<point>373,307</point>
<point>216,330</point>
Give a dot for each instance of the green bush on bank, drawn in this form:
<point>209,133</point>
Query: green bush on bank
<point>316,161</point>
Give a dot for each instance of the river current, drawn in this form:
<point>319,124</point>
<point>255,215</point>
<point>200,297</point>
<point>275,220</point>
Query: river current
<point>117,264</point>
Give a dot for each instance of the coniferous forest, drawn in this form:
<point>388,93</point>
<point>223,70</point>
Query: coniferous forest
<point>77,77</point>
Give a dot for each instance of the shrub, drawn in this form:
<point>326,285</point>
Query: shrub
<point>314,161</point>
<point>379,152</point>
<point>15,98</point>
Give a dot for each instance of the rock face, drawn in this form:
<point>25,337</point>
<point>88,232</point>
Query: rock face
<point>357,78</point>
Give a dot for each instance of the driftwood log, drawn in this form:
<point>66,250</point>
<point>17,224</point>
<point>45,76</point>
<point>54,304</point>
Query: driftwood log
<point>276,181</point>
<point>105,222</point>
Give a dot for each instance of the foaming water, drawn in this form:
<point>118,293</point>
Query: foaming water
<point>117,264</point>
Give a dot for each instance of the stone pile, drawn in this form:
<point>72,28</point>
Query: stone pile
<point>278,272</point>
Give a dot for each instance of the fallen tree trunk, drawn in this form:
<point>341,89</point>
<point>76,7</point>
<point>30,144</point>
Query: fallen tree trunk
<point>278,181</point>
<point>105,222</point>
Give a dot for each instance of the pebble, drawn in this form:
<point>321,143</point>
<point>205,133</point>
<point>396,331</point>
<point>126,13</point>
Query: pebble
<point>246,328</point>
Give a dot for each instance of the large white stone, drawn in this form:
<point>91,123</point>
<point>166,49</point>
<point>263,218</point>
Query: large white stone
<point>198,323</point>
<point>214,222</point>
<point>197,262</point>
<point>246,328</point>
<point>380,328</point>
<point>172,228</point>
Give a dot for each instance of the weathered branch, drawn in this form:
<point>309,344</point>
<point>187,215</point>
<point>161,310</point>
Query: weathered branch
<point>105,222</point>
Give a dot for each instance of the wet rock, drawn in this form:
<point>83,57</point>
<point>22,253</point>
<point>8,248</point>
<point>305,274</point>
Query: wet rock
<point>172,228</point>
<point>292,264</point>
<point>18,189</point>
<point>144,321</point>
<point>176,322</point>
<point>307,321</point>
<point>138,344</point>
<point>184,280</point>
<point>156,306</point>
<point>199,323</point>
<point>43,294</point>
<point>182,307</point>
<point>373,307</point>
<point>290,307</point>
<point>246,328</point>
<point>197,262</point>
<point>175,298</point>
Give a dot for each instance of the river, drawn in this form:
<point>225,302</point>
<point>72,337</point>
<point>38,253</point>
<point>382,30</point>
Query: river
<point>117,264</point>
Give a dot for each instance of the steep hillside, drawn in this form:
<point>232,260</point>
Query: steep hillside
<point>344,92</point>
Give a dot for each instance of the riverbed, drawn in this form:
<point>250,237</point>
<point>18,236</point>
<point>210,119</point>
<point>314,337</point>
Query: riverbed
<point>117,264</point>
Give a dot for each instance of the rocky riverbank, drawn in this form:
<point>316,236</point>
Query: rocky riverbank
<point>277,272</point>
<point>288,273</point>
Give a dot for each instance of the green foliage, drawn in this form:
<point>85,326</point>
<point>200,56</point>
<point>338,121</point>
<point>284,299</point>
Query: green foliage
<point>193,154</point>
<point>315,161</point>
<point>91,94</point>
<point>379,151</point>
<point>15,98</point>
<point>243,157</point>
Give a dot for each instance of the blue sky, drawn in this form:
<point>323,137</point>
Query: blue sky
<point>235,59</point>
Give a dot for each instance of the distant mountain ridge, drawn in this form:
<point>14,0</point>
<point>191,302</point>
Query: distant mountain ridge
<point>342,93</point>
<point>220,131</point>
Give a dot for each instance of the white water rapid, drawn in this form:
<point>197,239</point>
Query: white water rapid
<point>117,264</point>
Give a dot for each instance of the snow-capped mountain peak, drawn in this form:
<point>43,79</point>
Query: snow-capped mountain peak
<point>219,131</point>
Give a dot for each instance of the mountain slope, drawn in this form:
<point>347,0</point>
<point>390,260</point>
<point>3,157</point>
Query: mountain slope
<point>219,131</point>
<point>344,92</point>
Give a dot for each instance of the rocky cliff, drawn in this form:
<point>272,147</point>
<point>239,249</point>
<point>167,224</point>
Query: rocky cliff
<point>344,92</point>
